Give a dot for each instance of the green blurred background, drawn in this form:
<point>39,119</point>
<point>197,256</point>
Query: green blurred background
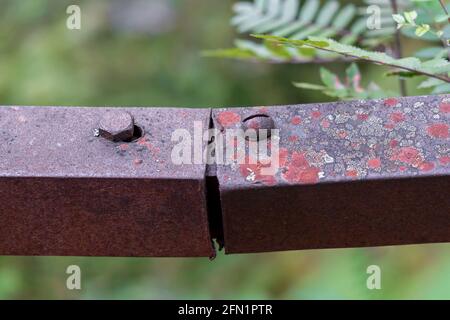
<point>146,53</point>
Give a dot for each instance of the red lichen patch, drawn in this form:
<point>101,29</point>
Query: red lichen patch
<point>389,126</point>
<point>283,156</point>
<point>263,109</point>
<point>298,159</point>
<point>445,160</point>
<point>397,117</point>
<point>439,130</point>
<point>293,138</point>
<point>308,175</point>
<point>408,155</point>
<point>402,168</point>
<point>316,114</point>
<point>298,170</point>
<point>137,162</point>
<point>444,107</point>
<point>391,102</point>
<point>252,171</point>
<point>228,118</point>
<point>124,147</point>
<point>352,173</point>
<point>426,166</point>
<point>182,113</point>
<point>374,163</point>
<point>393,143</point>
<point>362,117</point>
<point>296,120</point>
<point>342,134</point>
<point>325,123</point>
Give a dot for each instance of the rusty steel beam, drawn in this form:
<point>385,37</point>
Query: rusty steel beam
<point>352,174</point>
<point>101,181</point>
<point>66,191</point>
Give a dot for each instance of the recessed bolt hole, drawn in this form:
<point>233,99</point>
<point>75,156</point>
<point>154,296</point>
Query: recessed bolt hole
<point>137,134</point>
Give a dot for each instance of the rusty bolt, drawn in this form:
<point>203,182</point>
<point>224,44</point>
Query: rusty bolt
<point>258,122</point>
<point>117,126</point>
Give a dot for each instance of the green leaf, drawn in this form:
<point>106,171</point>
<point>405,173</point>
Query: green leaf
<point>344,17</point>
<point>431,82</point>
<point>422,29</point>
<point>411,33</point>
<point>234,53</point>
<point>434,68</point>
<point>410,17</point>
<point>350,90</point>
<point>443,88</point>
<point>278,50</point>
<point>442,18</point>
<point>401,74</point>
<point>399,19</point>
<point>298,20</point>
<point>327,12</point>
<point>354,77</point>
<point>328,78</point>
<point>307,52</point>
<point>309,86</point>
<point>431,52</point>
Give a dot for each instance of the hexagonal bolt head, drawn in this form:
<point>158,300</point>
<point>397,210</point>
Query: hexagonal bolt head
<point>258,122</point>
<point>117,126</point>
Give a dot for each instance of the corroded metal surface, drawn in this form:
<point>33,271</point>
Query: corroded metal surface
<point>362,173</point>
<point>65,191</point>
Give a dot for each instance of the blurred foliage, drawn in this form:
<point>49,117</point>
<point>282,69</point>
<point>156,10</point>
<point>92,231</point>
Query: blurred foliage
<point>347,88</point>
<point>297,20</point>
<point>110,62</point>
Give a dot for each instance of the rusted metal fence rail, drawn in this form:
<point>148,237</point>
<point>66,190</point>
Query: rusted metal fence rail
<point>102,181</point>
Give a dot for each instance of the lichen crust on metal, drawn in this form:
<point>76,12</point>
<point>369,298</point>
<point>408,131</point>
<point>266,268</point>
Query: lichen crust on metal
<point>102,181</point>
<point>66,190</point>
<point>350,174</point>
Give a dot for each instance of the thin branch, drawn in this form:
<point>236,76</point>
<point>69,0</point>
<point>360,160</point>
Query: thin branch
<point>316,44</point>
<point>445,41</point>
<point>437,76</point>
<point>445,9</point>
<point>398,51</point>
<point>349,55</point>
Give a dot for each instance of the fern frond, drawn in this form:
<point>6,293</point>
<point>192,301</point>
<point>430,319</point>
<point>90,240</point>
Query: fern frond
<point>300,19</point>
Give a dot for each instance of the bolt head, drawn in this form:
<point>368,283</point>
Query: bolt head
<point>117,126</point>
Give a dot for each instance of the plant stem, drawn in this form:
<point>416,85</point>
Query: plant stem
<point>398,49</point>
<point>445,9</point>
<point>446,41</point>
<point>344,52</point>
<point>349,55</point>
